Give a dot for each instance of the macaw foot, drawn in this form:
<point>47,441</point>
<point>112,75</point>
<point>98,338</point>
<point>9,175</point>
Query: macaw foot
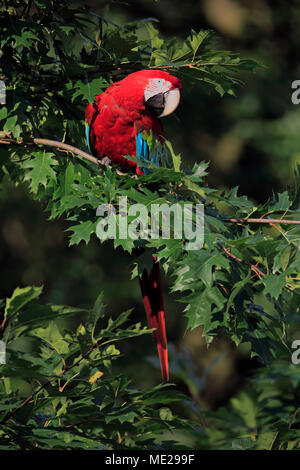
<point>105,161</point>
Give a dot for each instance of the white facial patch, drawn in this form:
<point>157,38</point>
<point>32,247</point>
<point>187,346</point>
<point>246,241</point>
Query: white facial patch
<point>156,86</point>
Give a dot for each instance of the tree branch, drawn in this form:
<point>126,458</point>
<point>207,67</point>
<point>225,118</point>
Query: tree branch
<point>5,138</point>
<point>262,221</point>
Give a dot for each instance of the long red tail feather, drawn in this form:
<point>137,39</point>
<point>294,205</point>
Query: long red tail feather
<point>153,302</point>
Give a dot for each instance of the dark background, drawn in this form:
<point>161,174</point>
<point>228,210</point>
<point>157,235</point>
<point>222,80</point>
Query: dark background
<point>251,140</point>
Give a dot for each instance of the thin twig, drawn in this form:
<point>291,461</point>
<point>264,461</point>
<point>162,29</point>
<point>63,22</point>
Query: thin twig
<point>262,221</point>
<point>192,65</point>
<point>253,267</point>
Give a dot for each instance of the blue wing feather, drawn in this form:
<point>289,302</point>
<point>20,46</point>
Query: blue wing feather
<point>144,153</point>
<point>87,134</point>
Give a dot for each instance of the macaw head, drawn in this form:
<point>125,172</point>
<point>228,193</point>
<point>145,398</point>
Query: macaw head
<point>155,90</point>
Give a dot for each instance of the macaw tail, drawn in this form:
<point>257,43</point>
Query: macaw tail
<point>153,302</point>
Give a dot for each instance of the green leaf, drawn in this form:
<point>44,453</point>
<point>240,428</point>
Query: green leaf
<point>96,314</point>
<point>204,310</point>
<point>165,414</point>
<point>82,232</point>
<point>245,406</point>
<point>89,90</point>
<point>266,440</point>
<point>11,125</point>
<point>83,339</point>
<point>156,41</point>
<point>196,39</point>
<point>52,336</point>
<point>39,170</point>
<point>283,202</point>
<point>175,158</point>
<point>21,297</point>
<point>274,284</point>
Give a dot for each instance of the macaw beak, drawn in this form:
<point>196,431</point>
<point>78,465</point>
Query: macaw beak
<point>172,99</point>
<point>164,103</point>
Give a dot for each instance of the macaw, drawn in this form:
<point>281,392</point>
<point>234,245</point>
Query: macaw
<point>124,120</point>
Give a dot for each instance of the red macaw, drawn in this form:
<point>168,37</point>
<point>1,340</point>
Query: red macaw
<point>124,120</point>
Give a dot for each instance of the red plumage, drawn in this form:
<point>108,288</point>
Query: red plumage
<point>119,113</point>
<point>115,118</point>
<point>154,306</point>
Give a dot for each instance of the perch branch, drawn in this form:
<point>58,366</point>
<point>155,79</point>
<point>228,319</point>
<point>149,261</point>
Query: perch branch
<point>5,138</point>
